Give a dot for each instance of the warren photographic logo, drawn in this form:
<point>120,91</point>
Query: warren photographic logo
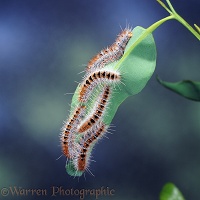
<point>56,191</point>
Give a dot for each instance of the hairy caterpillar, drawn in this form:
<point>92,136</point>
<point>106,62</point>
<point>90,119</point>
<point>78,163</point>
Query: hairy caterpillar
<point>69,128</point>
<point>135,69</point>
<point>102,77</point>
<point>83,157</point>
<point>112,53</point>
<point>97,113</point>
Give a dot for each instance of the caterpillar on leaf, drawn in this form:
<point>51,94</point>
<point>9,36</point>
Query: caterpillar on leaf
<point>120,71</point>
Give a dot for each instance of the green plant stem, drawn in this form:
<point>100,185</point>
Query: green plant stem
<point>164,6</point>
<point>153,27</point>
<point>148,31</point>
<point>198,29</point>
<point>172,12</point>
<point>184,23</point>
<point>170,6</point>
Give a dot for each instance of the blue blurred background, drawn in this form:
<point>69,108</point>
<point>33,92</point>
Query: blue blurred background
<point>44,44</point>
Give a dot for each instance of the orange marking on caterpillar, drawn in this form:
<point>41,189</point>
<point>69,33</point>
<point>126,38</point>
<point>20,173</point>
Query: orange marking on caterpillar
<point>99,77</point>
<point>83,158</point>
<point>69,128</point>
<point>112,53</point>
<point>97,113</point>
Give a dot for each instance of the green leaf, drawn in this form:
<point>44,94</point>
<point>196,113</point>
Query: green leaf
<point>136,68</point>
<point>187,88</point>
<point>171,192</point>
